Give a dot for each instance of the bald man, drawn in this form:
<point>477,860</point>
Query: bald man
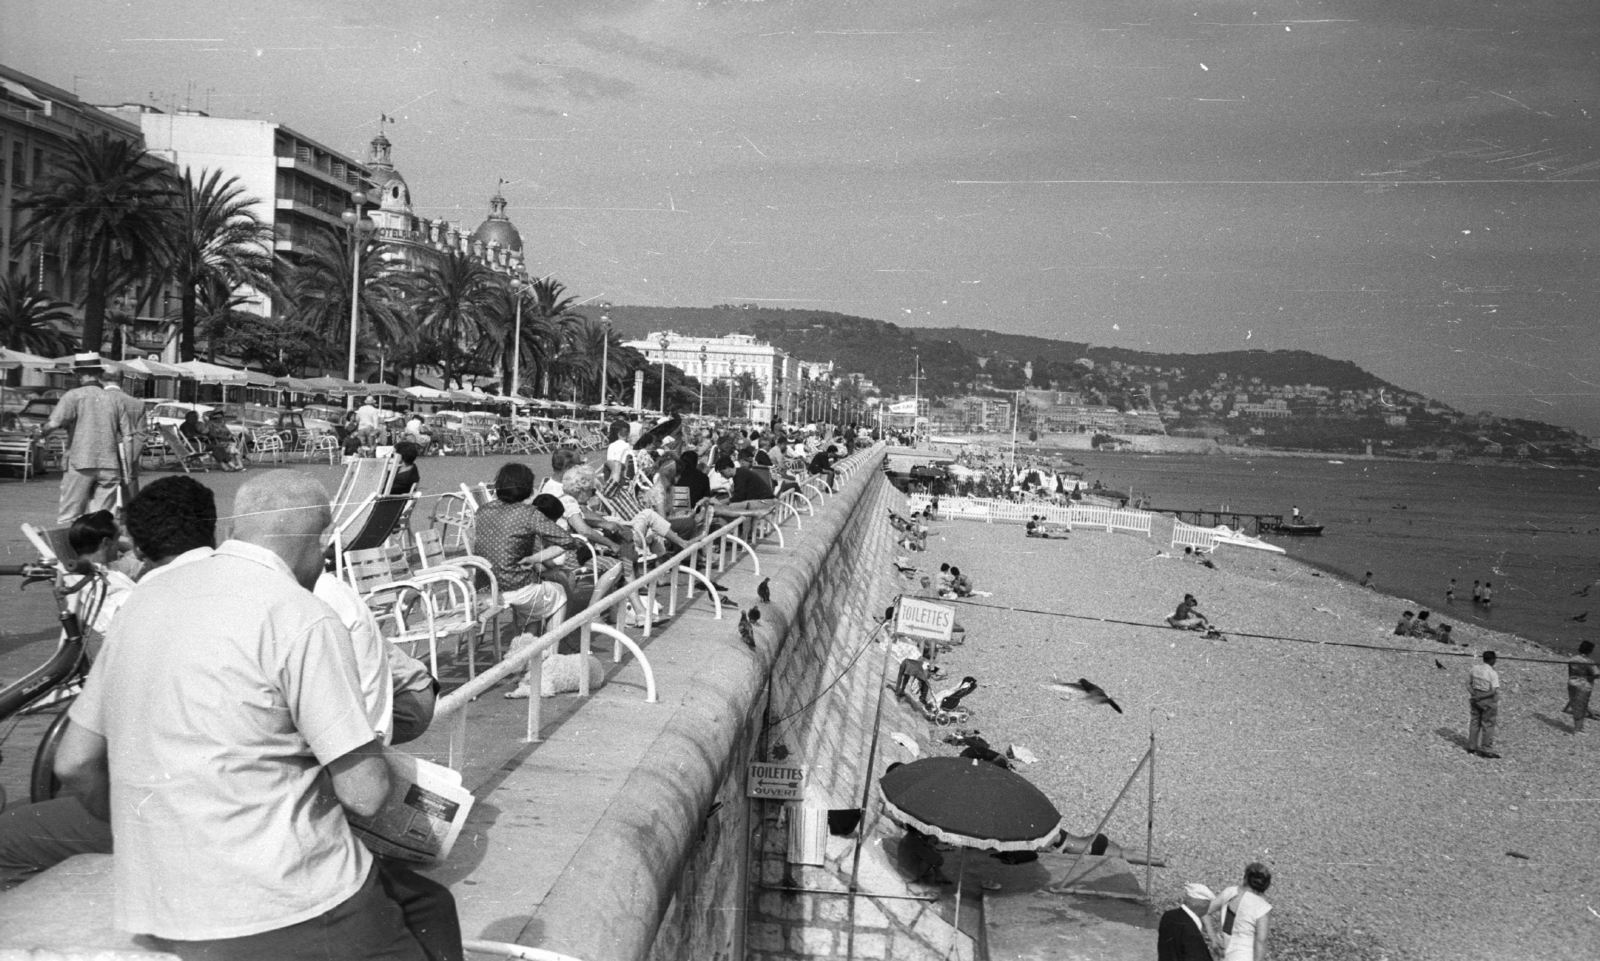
<point>224,734</point>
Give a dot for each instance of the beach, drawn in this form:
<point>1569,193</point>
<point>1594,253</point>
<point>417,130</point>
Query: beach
<point>1342,768</point>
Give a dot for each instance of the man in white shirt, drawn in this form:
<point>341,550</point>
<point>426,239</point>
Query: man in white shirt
<point>415,434</point>
<point>1483,690</point>
<point>369,422</point>
<point>228,745</point>
<point>173,523</point>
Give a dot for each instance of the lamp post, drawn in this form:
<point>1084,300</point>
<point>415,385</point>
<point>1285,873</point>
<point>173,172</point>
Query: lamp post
<point>353,217</point>
<point>702,380</point>
<point>664,340</point>
<point>518,288</point>
<point>605,354</point>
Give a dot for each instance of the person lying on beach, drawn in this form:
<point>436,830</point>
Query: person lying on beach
<point>1188,617</point>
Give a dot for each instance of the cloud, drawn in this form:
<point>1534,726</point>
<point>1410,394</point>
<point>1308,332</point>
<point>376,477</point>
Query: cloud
<point>574,82</point>
<point>614,41</point>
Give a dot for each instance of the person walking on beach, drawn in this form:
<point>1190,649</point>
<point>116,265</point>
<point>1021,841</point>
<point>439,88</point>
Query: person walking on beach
<point>1488,593</point>
<point>1243,911</point>
<point>1581,672</point>
<point>1180,936</point>
<point>1483,690</point>
<point>1477,593</point>
<point>1450,592</point>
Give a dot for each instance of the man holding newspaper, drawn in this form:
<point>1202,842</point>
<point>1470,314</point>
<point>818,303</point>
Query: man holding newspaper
<point>224,734</point>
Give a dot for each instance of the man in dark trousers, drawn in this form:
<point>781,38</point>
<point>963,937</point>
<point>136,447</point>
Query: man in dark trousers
<point>1180,936</point>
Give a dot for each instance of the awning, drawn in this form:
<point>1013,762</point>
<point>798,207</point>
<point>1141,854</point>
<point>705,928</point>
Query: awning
<point>256,378</point>
<point>380,390</point>
<point>422,392</point>
<point>294,384</point>
<point>329,385</point>
<point>212,373</point>
<point>155,368</point>
<point>11,359</point>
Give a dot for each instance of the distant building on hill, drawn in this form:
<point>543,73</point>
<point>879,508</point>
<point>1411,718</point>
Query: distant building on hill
<point>726,357</point>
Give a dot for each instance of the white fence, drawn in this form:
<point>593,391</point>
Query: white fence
<point>1020,512</point>
<point>1188,535</point>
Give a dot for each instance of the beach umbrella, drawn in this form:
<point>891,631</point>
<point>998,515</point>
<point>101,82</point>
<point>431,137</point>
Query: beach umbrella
<point>664,429</point>
<point>12,359</point>
<point>971,804</point>
<point>329,385</point>
<point>205,373</point>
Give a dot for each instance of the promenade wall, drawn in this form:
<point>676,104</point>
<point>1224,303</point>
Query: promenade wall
<point>673,867</point>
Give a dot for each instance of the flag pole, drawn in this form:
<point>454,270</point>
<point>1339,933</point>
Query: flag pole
<point>1150,823</point>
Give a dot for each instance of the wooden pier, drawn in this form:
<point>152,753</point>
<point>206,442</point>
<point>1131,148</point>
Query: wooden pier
<point>1258,523</point>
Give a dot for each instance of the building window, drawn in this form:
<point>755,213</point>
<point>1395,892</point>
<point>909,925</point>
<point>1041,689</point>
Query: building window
<point>18,172</point>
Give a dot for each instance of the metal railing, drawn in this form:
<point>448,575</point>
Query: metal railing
<point>682,570</point>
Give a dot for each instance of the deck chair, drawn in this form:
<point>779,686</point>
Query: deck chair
<point>380,524</point>
<point>187,455</point>
<point>365,480</point>
<point>16,450</point>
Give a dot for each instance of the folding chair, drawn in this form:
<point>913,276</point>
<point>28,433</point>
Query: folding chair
<point>266,443</point>
<point>187,455</point>
<point>16,450</point>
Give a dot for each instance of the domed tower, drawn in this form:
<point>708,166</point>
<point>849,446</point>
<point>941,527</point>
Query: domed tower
<point>389,189</point>
<point>498,229</point>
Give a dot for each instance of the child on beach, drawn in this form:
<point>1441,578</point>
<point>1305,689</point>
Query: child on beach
<point>1477,593</point>
<point>1488,593</point>
<point>1403,629</point>
<point>1450,592</point>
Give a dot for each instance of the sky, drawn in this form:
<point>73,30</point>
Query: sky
<point>1411,186</point>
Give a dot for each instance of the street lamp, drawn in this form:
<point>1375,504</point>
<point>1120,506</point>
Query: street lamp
<point>357,224</point>
<point>702,380</point>
<point>664,340</point>
<point>518,288</point>
<point>605,353</point>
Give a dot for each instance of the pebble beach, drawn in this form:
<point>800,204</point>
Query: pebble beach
<point>1344,769</point>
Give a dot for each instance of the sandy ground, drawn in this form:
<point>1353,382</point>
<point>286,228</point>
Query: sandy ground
<point>1343,769</point>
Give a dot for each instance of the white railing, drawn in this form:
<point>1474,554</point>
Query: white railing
<point>1188,535</point>
<point>1020,512</point>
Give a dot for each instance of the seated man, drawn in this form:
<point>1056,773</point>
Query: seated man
<point>960,584</point>
<point>749,496</point>
<point>944,582</point>
<point>1188,617</point>
<point>1406,625</point>
<point>1421,626</point>
<point>231,657</point>
<point>172,522</point>
<point>416,432</point>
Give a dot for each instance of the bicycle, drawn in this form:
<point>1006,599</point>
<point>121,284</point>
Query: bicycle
<point>61,676</point>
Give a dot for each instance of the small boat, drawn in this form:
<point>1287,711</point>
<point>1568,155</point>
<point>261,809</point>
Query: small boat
<point>1227,535</point>
<point>1293,529</point>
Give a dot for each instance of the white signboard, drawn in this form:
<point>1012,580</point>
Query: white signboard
<point>782,782</point>
<point>920,618</point>
<point>904,407</point>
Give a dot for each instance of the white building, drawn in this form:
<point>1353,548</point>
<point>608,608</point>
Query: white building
<point>714,358</point>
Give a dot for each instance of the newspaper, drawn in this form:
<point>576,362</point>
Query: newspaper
<point>423,814</point>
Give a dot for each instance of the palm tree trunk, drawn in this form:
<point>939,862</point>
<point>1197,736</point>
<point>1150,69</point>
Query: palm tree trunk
<point>94,308</point>
<point>186,316</point>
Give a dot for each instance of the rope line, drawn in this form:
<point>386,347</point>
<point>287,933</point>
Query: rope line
<point>847,668</point>
<point>1265,637</point>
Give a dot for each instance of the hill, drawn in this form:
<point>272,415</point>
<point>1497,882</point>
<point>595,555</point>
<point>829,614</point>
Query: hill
<point>954,357</point>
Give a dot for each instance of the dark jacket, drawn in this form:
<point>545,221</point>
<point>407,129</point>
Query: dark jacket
<point>698,483</point>
<point>1179,939</point>
<point>749,486</point>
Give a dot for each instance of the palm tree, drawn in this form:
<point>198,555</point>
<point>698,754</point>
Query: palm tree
<point>30,320</point>
<point>318,290</point>
<point>457,300</point>
<point>217,242</point>
<point>553,319</point>
<point>540,343</point>
<point>108,207</point>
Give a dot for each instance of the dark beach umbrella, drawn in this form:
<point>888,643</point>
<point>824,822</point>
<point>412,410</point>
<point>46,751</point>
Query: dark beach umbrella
<point>970,803</point>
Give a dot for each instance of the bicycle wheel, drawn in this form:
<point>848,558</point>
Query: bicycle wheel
<point>45,785</point>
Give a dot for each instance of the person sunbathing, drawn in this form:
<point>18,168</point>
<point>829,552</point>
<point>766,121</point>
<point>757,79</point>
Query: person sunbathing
<point>1188,617</point>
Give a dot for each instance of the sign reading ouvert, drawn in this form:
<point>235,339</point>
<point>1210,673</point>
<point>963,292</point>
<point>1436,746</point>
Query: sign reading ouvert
<point>925,619</point>
<point>780,782</point>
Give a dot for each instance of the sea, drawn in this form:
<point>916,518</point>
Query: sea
<point>1533,532</point>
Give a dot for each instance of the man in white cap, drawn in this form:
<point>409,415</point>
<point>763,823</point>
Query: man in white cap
<point>95,422</point>
<point>1180,936</point>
